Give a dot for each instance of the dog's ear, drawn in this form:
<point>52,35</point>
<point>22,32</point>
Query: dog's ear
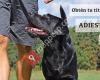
<point>62,13</point>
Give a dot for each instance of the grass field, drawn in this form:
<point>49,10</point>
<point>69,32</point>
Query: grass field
<point>83,75</point>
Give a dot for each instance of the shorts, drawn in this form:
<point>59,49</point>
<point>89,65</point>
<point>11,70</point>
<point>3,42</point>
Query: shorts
<point>13,21</point>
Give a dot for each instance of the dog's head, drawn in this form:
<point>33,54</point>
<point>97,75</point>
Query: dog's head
<point>51,23</point>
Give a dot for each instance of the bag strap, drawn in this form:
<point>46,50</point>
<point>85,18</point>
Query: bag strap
<point>30,19</point>
<point>26,13</point>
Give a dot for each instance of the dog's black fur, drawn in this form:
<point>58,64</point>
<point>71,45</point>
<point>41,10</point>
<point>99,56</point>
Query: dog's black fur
<point>59,59</point>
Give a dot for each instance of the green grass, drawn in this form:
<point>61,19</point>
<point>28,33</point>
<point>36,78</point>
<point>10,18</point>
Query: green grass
<point>89,75</point>
<point>83,75</point>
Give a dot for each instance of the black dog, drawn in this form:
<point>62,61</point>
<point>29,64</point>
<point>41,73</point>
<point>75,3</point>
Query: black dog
<point>59,59</point>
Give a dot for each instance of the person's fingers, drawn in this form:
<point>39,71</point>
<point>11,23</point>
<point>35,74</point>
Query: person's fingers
<point>32,29</point>
<point>47,1</point>
<point>35,30</point>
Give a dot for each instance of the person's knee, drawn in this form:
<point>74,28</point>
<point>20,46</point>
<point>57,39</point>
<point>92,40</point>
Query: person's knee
<point>28,49</point>
<point>3,42</point>
<point>23,50</point>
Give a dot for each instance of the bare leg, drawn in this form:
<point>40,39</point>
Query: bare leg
<point>23,69</point>
<point>4,63</point>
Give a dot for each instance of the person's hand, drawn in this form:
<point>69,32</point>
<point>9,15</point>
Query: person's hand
<point>47,1</point>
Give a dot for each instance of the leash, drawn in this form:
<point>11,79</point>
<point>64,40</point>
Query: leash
<point>25,12</point>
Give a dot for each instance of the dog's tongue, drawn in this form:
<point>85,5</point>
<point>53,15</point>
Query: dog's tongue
<point>35,31</point>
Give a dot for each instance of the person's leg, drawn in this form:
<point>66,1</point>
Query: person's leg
<point>23,69</point>
<point>4,64</point>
